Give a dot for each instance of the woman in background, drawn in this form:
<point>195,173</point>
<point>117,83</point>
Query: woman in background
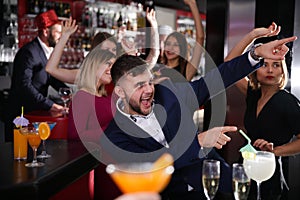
<point>176,49</point>
<point>272,116</point>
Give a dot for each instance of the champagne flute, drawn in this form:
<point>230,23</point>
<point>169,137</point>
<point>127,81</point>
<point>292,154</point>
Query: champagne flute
<point>65,95</point>
<point>34,141</point>
<point>210,177</point>
<point>261,168</point>
<point>240,182</point>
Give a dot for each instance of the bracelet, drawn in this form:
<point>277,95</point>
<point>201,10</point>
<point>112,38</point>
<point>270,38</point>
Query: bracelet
<point>252,52</point>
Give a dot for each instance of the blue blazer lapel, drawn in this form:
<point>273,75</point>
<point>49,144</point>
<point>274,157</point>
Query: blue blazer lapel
<point>40,51</point>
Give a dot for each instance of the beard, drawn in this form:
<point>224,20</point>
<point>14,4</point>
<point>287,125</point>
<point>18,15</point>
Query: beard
<point>135,106</point>
<point>51,41</point>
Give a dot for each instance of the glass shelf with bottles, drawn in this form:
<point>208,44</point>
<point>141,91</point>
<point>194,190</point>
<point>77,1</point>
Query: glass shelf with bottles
<point>115,18</point>
<point>62,8</point>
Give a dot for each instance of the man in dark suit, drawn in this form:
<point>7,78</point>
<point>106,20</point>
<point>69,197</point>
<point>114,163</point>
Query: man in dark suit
<point>153,118</point>
<point>30,81</point>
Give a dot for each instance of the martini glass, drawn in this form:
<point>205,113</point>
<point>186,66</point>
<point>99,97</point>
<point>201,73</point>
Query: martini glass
<point>44,153</point>
<point>141,177</point>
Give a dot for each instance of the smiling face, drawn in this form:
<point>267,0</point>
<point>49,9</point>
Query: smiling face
<point>172,48</point>
<point>103,76</point>
<point>271,73</point>
<point>137,93</point>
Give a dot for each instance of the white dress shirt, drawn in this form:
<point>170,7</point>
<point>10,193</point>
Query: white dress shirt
<point>148,123</point>
<point>47,50</point>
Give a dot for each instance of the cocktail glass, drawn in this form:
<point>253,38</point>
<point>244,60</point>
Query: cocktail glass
<point>260,168</point>
<point>44,153</point>
<point>34,141</point>
<point>210,177</point>
<point>140,177</point>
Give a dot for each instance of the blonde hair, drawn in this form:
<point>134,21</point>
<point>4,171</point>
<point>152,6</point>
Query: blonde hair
<point>86,78</point>
<point>256,85</point>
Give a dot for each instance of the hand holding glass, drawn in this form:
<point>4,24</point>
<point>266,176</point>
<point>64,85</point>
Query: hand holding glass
<point>261,168</point>
<point>210,177</point>
<point>65,95</point>
<point>240,182</point>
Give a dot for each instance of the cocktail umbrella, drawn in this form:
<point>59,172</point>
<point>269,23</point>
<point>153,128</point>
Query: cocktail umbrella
<point>21,121</point>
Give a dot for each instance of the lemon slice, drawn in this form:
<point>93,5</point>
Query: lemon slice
<point>44,130</point>
<point>248,155</point>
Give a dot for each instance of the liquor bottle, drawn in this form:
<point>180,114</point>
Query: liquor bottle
<point>120,20</point>
<point>67,10</point>
<point>114,21</point>
<point>100,17</point>
<point>36,8</point>
<point>44,8</point>
<point>140,15</point>
<point>86,18</point>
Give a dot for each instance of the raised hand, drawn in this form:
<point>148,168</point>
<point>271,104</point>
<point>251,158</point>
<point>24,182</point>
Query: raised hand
<point>272,30</point>
<point>151,17</point>
<point>69,26</point>
<point>275,50</point>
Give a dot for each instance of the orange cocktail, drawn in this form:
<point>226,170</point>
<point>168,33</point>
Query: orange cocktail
<point>34,141</point>
<point>137,177</point>
<point>20,145</point>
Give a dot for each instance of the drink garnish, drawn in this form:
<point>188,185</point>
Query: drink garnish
<point>248,155</point>
<point>20,120</point>
<point>248,151</point>
<point>44,130</point>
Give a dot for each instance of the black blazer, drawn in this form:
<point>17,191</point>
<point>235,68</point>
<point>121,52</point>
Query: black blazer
<point>30,81</point>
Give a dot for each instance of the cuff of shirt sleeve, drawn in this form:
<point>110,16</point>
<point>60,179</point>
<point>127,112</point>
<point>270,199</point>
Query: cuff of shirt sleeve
<point>204,152</point>
<point>251,60</point>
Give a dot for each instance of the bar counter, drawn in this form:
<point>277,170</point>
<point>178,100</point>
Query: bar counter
<point>69,162</point>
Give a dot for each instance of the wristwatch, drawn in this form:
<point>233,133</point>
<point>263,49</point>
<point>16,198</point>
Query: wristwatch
<point>252,52</point>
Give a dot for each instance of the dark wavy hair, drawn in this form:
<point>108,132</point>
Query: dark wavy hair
<point>100,37</point>
<point>183,47</point>
<point>127,64</point>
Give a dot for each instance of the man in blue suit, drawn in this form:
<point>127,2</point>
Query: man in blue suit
<point>30,81</point>
<point>153,118</point>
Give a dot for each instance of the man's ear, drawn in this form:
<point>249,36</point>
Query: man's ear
<point>119,91</point>
<point>46,32</point>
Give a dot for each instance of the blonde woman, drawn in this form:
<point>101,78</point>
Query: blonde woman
<point>91,106</point>
<point>272,116</point>
<point>91,110</point>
